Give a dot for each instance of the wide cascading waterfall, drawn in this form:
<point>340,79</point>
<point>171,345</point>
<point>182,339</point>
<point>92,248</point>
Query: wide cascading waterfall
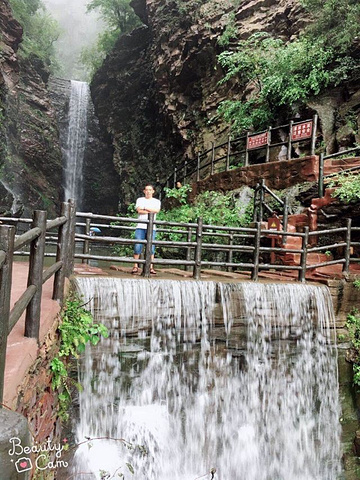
<point>76,141</point>
<point>198,375</point>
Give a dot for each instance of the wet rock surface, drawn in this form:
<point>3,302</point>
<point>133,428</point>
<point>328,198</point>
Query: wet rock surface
<point>31,157</point>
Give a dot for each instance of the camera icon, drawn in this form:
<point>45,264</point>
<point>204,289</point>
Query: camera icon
<point>23,464</point>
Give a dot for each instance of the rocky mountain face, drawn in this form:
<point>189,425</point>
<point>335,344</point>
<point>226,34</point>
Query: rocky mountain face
<point>30,155</point>
<point>157,93</point>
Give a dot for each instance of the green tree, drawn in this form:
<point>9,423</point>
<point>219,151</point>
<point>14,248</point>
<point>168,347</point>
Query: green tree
<point>40,31</point>
<point>283,75</point>
<point>119,18</point>
<point>118,14</point>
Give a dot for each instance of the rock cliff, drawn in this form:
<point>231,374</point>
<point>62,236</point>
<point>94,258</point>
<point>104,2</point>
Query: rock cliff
<point>157,93</point>
<point>30,155</point>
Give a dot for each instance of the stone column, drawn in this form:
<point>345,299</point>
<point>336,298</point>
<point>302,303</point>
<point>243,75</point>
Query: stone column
<point>15,465</point>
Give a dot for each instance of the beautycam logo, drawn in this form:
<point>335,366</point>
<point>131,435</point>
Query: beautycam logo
<point>39,456</point>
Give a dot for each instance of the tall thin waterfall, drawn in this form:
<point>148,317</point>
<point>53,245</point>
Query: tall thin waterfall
<point>76,141</point>
<point>198,375</point>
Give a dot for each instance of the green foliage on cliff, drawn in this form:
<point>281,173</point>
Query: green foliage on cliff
<point>347,187</point>
<point>353,326</point>
<point>119,18</point>
<point>336,23</point>
<point>285,75</point>
<point>215,208</point>
<point>117,14</point>
<point>77,328</point>
<point>40,31</point>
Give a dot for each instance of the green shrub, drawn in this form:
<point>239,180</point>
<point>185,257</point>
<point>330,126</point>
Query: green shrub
<point>40,31</point>
<point>348,187</point>
<point>353,326</point>
<point>286,75</point>
<point>119,18</point>
<point>77,328</point>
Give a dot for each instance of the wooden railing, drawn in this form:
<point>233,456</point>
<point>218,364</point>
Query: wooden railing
<point>192,250</point>
<point>322,160</point>
<point>30,300</point>
<point>235,152</point>
<point>193,246</point>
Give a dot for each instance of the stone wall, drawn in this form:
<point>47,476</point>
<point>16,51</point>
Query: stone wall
<point>277,175</point>
<point>345,298</point>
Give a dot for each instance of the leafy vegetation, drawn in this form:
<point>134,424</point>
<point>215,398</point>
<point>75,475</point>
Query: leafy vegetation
<point>119,18</point>
<point>348,187</point>
<point>230,32</point>
<point>215,208</point>
<point>353,326</point>
<point>40,31</point>
<point>77,328</point>
<point>282,74</point>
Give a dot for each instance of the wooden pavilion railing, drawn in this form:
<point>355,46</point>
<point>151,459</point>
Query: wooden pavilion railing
<point>199,243</point>
<point>235,151</point>
<point>30,300</point>
<point>322,160</point>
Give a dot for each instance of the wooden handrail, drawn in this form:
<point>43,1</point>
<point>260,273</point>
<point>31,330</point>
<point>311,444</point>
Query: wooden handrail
<point>30,300</point>
<point>200,163</point>
<point>20,306</point>
<point>27,237</point>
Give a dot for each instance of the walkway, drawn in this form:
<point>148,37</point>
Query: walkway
<point>22,352</point>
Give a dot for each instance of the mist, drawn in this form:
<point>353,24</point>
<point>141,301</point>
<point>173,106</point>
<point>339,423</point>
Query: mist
<point>79,29</point>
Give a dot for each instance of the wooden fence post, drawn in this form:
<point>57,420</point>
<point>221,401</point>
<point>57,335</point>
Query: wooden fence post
<point>285,218</point>
<point>321,176</point>
<point>228,154</point>
<point>197,266</point>
<point>35,276</point>
<point>198,168</point>
<point>212,157</point>
<point>257,238</point>
<point>305,241</point>
<point>313,134</point>
<point>188,249</point>
<point>7,238</point>
<point>346,265</point>
<point>268,145</point>
<point>290,140</point>
<point>86,248</point>
<point>148,246</point>
<point>185,171</point>
<point>261,201</point>
<point>246,150</point>
<point>71,238</point>
<point>256,205</point>
<point>230,252</point>
<point>62,254</point>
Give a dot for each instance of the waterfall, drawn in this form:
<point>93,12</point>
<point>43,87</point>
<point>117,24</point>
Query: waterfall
<point>16,205</point>
<point>198,375</point>
<point>76,141</point>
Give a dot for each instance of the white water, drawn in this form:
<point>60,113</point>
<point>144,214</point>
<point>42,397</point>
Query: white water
<point>16,204</point>
<point>261,408</point>
<point>76,141</point>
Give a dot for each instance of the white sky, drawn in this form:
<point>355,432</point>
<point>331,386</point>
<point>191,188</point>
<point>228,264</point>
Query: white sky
<point>79,29</point>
